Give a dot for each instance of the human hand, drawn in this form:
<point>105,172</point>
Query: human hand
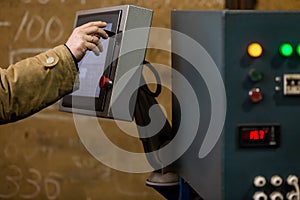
<point>86,37</point>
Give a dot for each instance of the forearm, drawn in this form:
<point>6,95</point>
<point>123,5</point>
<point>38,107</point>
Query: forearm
<point>33,84</point>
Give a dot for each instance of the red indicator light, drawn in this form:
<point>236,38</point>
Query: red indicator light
<point>255,95</point>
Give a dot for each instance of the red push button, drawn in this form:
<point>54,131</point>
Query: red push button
<point>105,82</point>
<point>255,95</point>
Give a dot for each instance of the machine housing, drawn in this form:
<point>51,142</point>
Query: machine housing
<point>120,62</point>
<point>261,134</point>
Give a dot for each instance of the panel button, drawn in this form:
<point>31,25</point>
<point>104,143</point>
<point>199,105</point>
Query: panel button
<point>105,82</point>
<point>255,95</point>
<point>255,75</point>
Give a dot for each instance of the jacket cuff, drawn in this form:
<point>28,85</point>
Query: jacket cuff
<point>75,60</point>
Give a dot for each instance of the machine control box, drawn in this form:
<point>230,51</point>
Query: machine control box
<point>120,63</point>
<point>258,56</point>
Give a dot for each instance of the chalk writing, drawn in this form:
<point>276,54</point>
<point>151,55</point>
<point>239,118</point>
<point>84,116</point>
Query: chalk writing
<point>44,2</point>
<point>30,155</point>
<point>22,25</point>
<point>15,53</point>
<point>51,182</point>
<point>41,22</point>
<point>26,1</point>
<point>44,28</point>
<point>92,166</point>
<point>35,184</point>
<point>5,23</point>
<point>13,180</point>
<point>35,180</point>
<point>206,3</point>
<point>54,20</point>
<point>10,150</point>
<point>83,163</point>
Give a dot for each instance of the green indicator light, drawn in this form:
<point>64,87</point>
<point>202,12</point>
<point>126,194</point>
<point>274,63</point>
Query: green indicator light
<point>298,49</point>
<point>286,50</point>
<point>255,75</point>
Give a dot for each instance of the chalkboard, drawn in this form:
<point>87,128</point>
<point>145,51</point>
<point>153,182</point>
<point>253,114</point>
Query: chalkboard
<point>42,157</point>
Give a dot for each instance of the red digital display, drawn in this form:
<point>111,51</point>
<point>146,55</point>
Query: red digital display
<point>255,135</point>
<point>259,135</point>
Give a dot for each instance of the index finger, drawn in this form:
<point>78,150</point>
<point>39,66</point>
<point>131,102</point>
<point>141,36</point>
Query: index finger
<point>99,24</point>
<point>94,30</point>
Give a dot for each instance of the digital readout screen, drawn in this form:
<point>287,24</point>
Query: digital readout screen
<point>259,135</point>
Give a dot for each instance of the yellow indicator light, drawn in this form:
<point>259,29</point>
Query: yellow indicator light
<point>255,50</point>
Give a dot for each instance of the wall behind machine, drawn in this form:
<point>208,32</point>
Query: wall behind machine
<point>42,157</point>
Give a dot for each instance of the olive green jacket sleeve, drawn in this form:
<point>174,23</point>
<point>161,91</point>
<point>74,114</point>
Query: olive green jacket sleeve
<point>34,83</point>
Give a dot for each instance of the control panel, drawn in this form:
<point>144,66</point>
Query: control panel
<point>106,78</point>
<point>258,56</point>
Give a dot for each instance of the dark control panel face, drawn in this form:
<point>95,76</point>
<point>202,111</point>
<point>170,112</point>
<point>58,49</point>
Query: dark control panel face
<point>262,75</point>
<point>258,55</point>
